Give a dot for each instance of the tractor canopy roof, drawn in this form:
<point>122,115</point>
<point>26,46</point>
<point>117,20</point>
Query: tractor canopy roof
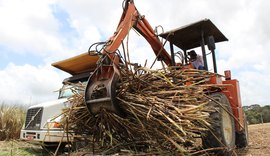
<point>190,36</point>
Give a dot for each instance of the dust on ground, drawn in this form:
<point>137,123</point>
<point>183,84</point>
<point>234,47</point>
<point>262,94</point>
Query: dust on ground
<point>259,141</point>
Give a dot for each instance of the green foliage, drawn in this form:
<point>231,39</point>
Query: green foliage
<point>20,148</point>
<point>11,121</point>
<point>256,114</point>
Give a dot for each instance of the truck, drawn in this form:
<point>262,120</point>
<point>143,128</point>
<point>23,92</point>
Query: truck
<point>42,123</point>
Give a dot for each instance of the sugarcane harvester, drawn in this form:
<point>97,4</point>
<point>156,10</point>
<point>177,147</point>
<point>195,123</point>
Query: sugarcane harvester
<point>230,126</point>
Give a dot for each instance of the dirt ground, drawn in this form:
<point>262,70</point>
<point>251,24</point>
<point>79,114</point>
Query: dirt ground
<point>259,141</point>
<point>259,144</point>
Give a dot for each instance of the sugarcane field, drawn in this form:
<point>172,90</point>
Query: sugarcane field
<point>136,78</point>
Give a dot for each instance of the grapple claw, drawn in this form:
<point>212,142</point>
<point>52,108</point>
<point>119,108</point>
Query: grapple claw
<point>100,91</point>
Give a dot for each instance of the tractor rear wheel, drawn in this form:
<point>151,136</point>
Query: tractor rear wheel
<point>222,131</point>
<point>242,137</point>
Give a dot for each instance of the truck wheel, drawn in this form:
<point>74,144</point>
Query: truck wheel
<point>222,130</point>
<point>242,137</point>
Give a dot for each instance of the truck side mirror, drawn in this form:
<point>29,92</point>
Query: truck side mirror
<point>211,43</point>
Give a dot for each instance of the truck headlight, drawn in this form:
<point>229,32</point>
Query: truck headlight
<point>52,125</point>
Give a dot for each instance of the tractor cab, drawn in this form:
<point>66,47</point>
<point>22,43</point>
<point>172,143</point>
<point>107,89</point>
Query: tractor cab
<point>198,34</point>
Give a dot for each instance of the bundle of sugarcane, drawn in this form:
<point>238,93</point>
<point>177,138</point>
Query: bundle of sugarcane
<point>164,112</point>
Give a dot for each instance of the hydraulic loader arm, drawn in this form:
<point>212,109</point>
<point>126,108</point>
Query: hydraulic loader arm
<point>100,91</point>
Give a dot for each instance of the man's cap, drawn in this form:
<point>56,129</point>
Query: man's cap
<point>192,53</point>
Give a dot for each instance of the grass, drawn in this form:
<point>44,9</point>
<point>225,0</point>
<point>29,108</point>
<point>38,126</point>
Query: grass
<point>18,148</point>
<point>12,118</point>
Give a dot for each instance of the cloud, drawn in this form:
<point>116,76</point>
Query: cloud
<point>85,14</point>
<point>32,27</point>
<point>57,29</point>
<point>29,84</point>
<point>28,26</point>
<point>254,87</point>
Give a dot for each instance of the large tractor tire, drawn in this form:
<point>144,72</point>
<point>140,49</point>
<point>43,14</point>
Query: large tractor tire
<point>242,137</point>
<point>222,130</point>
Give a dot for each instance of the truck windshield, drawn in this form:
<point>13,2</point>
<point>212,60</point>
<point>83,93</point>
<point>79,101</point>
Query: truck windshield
<point>65,92</point>
<point>68,90</point>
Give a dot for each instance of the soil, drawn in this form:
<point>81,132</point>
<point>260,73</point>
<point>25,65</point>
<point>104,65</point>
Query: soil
<point>259,141</point>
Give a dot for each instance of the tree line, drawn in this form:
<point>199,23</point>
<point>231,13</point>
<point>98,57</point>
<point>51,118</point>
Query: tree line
<point>256,114</point>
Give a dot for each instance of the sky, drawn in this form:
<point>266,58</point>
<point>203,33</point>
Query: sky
<point>34,34</point>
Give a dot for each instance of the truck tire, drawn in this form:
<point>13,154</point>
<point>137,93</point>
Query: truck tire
<point>222,129</point>
<point>242,137</point>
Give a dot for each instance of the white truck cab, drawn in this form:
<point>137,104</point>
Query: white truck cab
<point>42,123</point>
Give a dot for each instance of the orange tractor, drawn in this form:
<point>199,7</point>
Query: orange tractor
<point>229,127</point>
